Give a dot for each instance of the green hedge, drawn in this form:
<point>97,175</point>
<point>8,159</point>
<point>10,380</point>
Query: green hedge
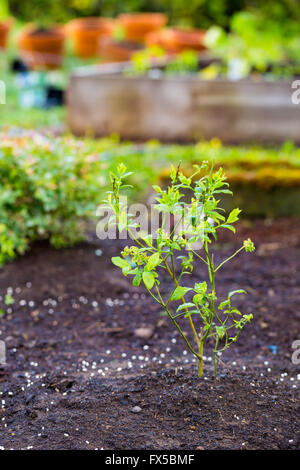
<point>49,189</point>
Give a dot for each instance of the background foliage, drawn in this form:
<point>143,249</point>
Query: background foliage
<point>50,187</point>
<point>200,13</point>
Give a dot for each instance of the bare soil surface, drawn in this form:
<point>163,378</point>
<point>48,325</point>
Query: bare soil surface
<point>76,369</point>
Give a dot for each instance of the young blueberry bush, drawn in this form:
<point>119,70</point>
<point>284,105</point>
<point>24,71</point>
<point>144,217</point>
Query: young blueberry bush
<point>174,252</point>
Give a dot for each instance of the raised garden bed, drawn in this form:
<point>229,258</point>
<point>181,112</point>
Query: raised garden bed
<point>76,367</point>
<point>101,100</point>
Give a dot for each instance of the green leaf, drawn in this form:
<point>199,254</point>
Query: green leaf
<point>224,304</point>
<point>123,264</point>
<point>220,331</point>
<point>137,279</point>
<point>191,312</point>
<point>233,216</point>
<point>200,287</point>
<point>132,271</point>
<point>148,279</point>
<point>198,298</point>
<point>179,292</point>
<point>229,227</point>
<point>236,311</point>
<point>120,262</point>
<point>185,305</point>
<point>248,318</point>
<point>153,261</point>
<point>225,191</point>
<point>238,291</point>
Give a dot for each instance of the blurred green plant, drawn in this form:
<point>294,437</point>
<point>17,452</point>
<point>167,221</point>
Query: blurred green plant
<point>142,61</point>
<point>184,63</point>
<point>48,190</point>
<point>255,43</point>
<point>4,9</point>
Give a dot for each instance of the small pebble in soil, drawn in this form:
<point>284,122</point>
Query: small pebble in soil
<point>136,409</point>
<point>144,332</point>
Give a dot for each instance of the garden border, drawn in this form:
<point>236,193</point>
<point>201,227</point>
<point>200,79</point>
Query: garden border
<point>101,101</point>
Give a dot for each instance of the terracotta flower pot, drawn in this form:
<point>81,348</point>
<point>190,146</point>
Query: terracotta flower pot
<point>138,25</point>
<point>177,40</point>
<point>42,49</point>
<point>114,51</point>
<point>4,30</point>
<point>86,32</point>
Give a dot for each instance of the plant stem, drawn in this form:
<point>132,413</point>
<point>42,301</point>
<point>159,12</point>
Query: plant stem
<point>201,357</point>
<point>182,334</point>
<point>215,365</point>
<point>230,257</point>
<point>197,340</point>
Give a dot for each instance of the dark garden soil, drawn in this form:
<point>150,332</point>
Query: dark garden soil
<point>76,369</point>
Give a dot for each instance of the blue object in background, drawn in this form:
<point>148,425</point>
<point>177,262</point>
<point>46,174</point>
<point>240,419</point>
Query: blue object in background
<point>37,89</point>
<point>32,89</point>
<point>273,348</point>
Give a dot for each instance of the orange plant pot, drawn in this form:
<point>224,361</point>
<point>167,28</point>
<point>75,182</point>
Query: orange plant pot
<point>114,51</point>
<point>4,30</point>
<point>41,49</point>
<point>177,40</point>
<point>86,33</point>
<point>138,25</point>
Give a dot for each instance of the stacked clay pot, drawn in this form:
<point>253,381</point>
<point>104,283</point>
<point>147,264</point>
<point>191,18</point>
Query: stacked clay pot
<point>86,33</point>
<point>177,40</point>
<point>114,51</point>
<point>41,48</point>
<point>4,31</point>
<point>137,25</point>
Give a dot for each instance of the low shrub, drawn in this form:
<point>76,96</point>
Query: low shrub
<point>49,188</point>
